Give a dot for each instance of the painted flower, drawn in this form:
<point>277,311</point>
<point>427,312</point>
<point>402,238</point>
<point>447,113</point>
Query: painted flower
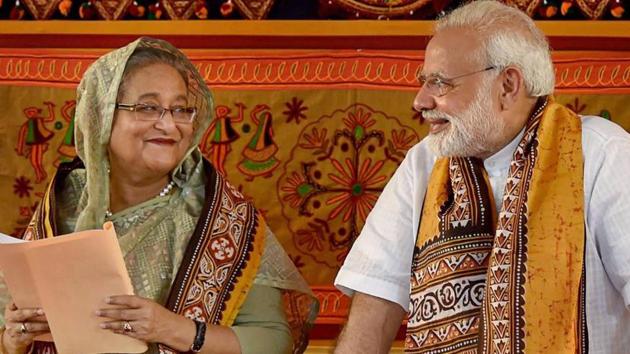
<point>401,141</point>
<point>25,215</point>
<point>22,187</point>
<point>358,194</point>
<point>27,211</point>
<point>316,140</point>
<point>358,122</point>
<point>576,106</point>
<point>297,261</point>
<point>315,236</point>
<point>296,188</point>
<point>295,110</point>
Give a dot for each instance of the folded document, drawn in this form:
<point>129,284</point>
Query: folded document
<point>69,277</point>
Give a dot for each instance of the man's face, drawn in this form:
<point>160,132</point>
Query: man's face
<point>459,97</point>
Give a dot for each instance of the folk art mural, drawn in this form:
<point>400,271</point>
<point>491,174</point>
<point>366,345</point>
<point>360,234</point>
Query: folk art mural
<point>311,139</point>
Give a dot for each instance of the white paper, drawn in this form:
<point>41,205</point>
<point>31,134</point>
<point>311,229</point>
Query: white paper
<point>6,239</point>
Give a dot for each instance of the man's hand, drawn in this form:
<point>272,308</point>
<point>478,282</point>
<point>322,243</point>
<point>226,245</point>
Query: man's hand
<point>372,326</point>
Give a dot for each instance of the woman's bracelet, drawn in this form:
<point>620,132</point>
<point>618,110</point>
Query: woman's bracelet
<point>200,336</point>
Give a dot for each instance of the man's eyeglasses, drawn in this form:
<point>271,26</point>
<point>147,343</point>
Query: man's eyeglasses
<point>438,86</point>
<point>152,112</point>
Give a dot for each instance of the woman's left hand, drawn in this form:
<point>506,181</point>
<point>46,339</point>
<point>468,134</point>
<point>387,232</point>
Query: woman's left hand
<point>146,320</point>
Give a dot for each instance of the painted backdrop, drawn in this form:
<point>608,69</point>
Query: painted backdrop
<point>311,137</point>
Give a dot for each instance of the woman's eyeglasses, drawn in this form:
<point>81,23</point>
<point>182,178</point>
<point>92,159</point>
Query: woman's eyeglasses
<point>152,112</point>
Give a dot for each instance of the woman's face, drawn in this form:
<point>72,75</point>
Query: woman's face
<point>150,148</point>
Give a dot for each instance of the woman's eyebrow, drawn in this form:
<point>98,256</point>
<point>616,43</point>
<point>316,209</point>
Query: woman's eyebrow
<point>156,95</point>
<point>149,95</point>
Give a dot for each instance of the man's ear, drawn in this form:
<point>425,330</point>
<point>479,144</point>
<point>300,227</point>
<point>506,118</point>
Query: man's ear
<point>512,84</point>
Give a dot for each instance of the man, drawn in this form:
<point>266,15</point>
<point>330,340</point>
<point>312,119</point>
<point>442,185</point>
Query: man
<point>506,229</point>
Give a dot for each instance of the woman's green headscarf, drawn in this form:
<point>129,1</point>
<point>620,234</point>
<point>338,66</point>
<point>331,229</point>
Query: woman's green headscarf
<point>96,101</point>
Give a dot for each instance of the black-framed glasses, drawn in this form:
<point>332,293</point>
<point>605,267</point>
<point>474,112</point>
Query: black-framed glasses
<point>439,86</point>
<point>153,112</point>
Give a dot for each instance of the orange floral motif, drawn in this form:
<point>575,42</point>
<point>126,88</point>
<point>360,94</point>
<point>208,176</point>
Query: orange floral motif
<point>576,106</point>
<point>314,237</point>
<point>358,195</point>
<point>24,217</point>
<point>330,187</point>
<point>297,260</point>
<point>317,139</point>
<point>358,122</point>
<point>399,144</point>
<point>297,188</point>
<point>402,141</point>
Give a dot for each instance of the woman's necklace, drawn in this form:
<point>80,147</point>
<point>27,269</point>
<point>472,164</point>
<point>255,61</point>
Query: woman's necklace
<point>165,191</point>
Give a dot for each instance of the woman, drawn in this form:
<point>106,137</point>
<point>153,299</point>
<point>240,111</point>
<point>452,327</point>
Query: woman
<point>193,246</point>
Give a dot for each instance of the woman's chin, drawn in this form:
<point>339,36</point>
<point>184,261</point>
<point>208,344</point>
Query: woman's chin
<point>161,167</point>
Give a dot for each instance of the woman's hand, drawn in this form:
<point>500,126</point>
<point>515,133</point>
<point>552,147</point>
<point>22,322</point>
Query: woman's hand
<point>22,326</point>
<point>148,321</point>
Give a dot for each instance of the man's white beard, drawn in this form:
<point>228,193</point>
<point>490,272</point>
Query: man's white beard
<point>473,132</point>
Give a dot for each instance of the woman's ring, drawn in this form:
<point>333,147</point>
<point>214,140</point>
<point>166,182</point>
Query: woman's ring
<point>127,327</point>
<point>23,328</point>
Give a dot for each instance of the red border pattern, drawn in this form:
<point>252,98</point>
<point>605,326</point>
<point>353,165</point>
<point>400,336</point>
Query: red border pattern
<point>394,70</point>
<point>333,312</point>
<point>333,305</point>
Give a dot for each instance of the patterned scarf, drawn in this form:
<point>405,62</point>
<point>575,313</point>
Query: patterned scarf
<point>512,285</point>
<point>222,260</point>
<point>231,246</point>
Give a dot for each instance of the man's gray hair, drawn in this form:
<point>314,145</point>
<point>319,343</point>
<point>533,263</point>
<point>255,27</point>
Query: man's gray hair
<point>510,37</point>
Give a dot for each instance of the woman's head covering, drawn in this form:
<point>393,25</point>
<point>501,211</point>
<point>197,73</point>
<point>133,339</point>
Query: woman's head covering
<point>97,95</point>
<point>96,101</point>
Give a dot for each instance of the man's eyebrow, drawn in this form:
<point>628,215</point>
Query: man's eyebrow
<point>438,74</point>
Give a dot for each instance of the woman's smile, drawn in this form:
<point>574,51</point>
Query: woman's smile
<point>162,141</point>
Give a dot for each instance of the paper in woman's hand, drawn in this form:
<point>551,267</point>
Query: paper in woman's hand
<point>6,239</point>
<point>17,273</point>
<point>69,277</point>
